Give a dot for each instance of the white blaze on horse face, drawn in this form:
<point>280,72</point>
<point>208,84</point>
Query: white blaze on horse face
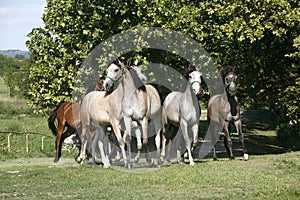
<point>195,81</point>
<point>113,74</point>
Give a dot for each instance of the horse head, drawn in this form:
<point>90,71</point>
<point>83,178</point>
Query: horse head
<point>114,72</point>
<point>193,75</point>
<point>138,71</point>
<point>229,77</point>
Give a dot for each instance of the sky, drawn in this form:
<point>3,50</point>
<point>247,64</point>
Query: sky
<point>17,18</point>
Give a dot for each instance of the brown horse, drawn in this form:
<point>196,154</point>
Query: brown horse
<point>67,115</point>
<point>223,109</point>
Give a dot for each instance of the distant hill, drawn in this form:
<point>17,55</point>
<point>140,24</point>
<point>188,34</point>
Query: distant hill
<point>14,52</point>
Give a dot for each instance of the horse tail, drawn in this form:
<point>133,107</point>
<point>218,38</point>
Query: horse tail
<point>51,119</point>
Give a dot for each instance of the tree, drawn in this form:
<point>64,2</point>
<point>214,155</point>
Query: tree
<point>15,72</point>
<point>260,38</point>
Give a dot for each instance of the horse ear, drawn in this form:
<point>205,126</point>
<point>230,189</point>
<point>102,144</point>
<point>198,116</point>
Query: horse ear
<point>191,68</point>
<point>222,72</point>
<point>128,64</point>
<point>198,67</point>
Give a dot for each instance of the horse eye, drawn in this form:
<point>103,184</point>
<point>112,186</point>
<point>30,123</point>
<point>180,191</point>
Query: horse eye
<point>190,76</point>
<point>116,70</point>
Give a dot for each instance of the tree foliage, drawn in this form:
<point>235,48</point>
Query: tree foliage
<point>15,73</point>
<point>260,38</point>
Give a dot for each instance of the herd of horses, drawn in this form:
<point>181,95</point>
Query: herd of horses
<point>125,102</point>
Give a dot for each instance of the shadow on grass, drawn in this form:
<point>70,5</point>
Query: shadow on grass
<point>259,134</point>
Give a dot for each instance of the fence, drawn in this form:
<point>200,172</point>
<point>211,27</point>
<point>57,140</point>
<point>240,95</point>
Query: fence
<point>27,142</point>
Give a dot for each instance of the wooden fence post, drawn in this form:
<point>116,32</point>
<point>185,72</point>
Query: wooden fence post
<point>43,142</point>
<point>27,149</point>
<point>8,142</point>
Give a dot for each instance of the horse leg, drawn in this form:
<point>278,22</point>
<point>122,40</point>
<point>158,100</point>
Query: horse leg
<point>59,140</point>
<point>195,137</point>
<point>157,125</point>
<point>212,132</point>
<point>103,146</point>
<point>127,139</point>
<point>144,124</point>
<point>82,155</point>
<point>183,126</point>
<point>138,135</point>
<point>228,141</point>
<point>180,148</point>
<point>168,151</point>
<point>93,146</point>
<point>116,130</point>
<point>238,125</point>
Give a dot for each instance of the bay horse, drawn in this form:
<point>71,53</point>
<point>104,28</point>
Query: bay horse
<point>181,110</point>
<point>223,109</point>
<point>102,109</point>
<point>67,115</point>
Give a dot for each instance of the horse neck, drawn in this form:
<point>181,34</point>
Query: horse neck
<point>231,98</point>
<point>131,83</point>
<point>118,90</point>
<point>233,105</point>
<point>188,92</point>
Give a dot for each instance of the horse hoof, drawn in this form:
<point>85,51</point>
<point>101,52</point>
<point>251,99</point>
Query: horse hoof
<point>180,162</point>
<point>232,158</point>
<point>79,160</point>
<point>192,163</point>
<point>150,161</point>
<point>246,157</point>
<point>136,159</point>
<point>129,166</point>
<point>55,160</point>
<point>106,166</point>
<point>215,159</point>
<point>158,166</point>
<point>117,157</point>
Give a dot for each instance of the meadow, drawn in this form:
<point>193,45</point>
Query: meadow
<point>272,172</point>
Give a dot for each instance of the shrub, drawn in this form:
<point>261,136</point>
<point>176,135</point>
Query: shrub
<point>289,135</point>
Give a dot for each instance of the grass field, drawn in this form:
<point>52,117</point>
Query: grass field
<point>262,177</point>
<point>273,171</point>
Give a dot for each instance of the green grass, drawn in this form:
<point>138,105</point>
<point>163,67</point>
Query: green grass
<point>262,177</point>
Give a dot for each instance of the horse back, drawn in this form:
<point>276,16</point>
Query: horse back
<point>95,107</point>
<point>70,113</point>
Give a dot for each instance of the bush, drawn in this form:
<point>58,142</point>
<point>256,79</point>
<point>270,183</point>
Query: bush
<point>9,109</point>
<point>289,135</point>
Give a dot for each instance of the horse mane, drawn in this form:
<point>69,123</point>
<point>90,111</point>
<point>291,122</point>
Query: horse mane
<point>138,83</point>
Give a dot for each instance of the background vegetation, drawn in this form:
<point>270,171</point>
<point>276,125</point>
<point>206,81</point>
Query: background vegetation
<point>260,38</point>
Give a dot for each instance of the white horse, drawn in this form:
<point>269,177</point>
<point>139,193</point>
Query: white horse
<point>139,103</point>
<point>154,106</point>
<point>101,109</point>
<point>181,110</point>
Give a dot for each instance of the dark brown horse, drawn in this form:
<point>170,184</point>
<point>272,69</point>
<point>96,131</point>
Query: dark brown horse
<point>68,116</point>
<point>223,109</point>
